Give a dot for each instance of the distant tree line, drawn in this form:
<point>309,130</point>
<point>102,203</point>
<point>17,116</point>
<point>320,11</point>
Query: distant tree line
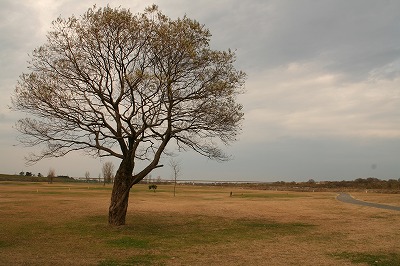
<point>40,175</point>
<point>371,183</point>
<point>29,174</point>
<point>359,183</point>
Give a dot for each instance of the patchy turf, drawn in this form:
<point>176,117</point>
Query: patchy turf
<point>273,196</point>
<point>45,224</point>
<point>375,259</point>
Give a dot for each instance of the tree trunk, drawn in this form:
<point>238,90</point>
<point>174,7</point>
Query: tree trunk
<point>120,195</point>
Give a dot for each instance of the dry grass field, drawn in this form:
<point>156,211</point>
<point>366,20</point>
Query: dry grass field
<point>66,224</point>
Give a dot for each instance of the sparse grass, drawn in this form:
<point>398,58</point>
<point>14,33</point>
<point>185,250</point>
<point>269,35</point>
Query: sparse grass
<point>136,260</point>
<point>4,244</point>
<point>43,224</point>
<point>128,242</point>
<point>273,196</point>
<point>375,259</point>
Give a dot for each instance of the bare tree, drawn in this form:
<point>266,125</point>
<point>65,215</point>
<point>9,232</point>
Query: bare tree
<point>111,83</point>
<point>87,176</point>
<point>108,172</point>
<point>51,174</point>
<point>176,170</point>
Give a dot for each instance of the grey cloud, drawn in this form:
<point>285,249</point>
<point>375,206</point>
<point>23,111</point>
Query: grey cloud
<point>18,28</point>
<point>352,37</point>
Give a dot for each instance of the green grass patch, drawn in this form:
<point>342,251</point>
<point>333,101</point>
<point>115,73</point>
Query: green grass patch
<point>281,227</point>
<point>91,226</point>
<point>15,183</point>
<point>40,192</point>
<point>105,188</point>
<point>389,259</point>
<point>128,242</point>
<point>377,216</point>
<point>50,192</point>
<point>4,244</point>
<point>267,195</point>
<point>137,260</point>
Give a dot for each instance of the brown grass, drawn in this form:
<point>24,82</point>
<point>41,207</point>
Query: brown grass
<point>66,224</point>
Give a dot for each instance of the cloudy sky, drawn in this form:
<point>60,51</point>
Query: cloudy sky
<point>322,94</point>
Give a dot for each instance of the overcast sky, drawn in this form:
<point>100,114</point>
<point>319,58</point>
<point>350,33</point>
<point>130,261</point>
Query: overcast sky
<point>322,95</point>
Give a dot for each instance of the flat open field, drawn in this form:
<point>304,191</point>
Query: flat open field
<point>66,224</point>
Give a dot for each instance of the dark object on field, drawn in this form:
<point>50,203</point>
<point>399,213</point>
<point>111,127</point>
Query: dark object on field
<point>153,187</point>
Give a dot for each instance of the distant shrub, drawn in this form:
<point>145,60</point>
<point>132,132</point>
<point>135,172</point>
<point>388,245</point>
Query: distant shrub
<point>63,176</point>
